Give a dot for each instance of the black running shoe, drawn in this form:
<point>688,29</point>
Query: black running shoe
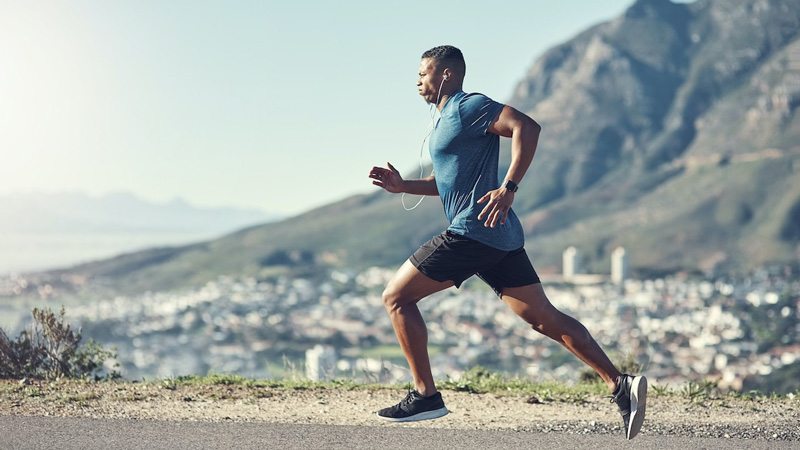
<point>415,407</point>
<point>631,395</point>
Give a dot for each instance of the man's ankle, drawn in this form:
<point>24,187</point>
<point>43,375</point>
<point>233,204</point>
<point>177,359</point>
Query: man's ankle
<point>427,392</point>
<point>617,381</point>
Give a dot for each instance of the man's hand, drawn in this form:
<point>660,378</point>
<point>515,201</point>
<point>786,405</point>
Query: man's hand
<point>389,179</point>
<point>500,201</point>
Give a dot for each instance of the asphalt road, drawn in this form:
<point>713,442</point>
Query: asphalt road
<point>44,433</point>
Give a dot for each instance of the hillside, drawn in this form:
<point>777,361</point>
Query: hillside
<point>77,212</point>
<point>671,130</point>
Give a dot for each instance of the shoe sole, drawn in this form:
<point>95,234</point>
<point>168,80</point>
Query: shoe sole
<point>638,404</point>
<point>427,415</point>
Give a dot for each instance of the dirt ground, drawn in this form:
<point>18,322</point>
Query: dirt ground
<point>760,418</point>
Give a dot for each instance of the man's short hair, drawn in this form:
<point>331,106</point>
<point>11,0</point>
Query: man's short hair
<point>447,56</point>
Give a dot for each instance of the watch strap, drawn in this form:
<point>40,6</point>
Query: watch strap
<point>511,186</point>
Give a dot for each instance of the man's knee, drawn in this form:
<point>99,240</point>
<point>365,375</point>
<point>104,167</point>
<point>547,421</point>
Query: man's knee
<point>545,319</point>
<point>392,298</point>
<point>562,328</point>
<point>537,324</point>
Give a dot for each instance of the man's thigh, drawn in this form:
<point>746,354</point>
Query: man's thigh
<point>530,302</point>
<point>409,285</point>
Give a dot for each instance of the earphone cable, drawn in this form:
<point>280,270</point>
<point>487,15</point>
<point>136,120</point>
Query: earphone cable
<point>422,147</point>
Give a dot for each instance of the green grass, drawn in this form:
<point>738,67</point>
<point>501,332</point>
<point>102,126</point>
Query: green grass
<point>238,380</point>
<point>393,352</point>
<point>32,391</point>
<point>480,380</point>
<point>477,380</point>
<point>660,391</point>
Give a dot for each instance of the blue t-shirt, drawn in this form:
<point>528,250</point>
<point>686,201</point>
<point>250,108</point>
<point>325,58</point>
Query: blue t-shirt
<point>465,165</point>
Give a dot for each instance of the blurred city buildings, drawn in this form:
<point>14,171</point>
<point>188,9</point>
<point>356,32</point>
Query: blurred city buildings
<point>679,329</point>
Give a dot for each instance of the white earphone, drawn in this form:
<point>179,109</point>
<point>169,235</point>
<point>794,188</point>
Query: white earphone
<point>422,147</point>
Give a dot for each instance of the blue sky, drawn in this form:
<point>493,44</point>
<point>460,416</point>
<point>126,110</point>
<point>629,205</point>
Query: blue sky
<point>278,106</point>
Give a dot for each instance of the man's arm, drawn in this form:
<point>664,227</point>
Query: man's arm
<point>524,134</point>
<point>390,180</point>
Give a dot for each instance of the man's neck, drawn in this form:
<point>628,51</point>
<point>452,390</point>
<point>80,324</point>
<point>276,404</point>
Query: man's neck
<point>445,97</point>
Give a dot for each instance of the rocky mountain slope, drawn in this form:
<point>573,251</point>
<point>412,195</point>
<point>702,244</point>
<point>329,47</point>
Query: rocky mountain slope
<point>672,131</point>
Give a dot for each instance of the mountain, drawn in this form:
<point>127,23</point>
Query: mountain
<point>118,212</point>
<point>39,231</point>
<point>671,130</point>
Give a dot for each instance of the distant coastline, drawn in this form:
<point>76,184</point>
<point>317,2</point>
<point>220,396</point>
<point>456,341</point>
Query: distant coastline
<point>34,252</point>
<point>45,231</point>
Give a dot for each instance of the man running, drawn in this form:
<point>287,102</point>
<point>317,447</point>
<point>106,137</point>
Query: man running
<point>485,237</point>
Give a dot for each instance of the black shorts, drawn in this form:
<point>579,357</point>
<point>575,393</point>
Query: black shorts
<point>452,257</point>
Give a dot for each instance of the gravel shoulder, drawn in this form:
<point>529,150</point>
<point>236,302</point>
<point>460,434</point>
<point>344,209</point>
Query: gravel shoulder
<point>726,417</point>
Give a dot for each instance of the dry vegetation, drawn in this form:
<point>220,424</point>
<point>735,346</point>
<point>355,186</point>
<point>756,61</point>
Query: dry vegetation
<point>515,405</point>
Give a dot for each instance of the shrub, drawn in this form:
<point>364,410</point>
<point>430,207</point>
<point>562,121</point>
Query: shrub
<point>49,348</point>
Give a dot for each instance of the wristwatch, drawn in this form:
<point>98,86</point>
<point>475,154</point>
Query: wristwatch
<point>511,186</point>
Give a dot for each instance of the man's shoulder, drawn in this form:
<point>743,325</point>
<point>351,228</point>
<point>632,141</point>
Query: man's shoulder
<point>475,100</point>
<point>474,94</point>
<point>472,97</point>
<point>477,110</point>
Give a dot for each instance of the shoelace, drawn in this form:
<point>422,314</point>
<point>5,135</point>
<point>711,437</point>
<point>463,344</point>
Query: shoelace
<point>409,398</point>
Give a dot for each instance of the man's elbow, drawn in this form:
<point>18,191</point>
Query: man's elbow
<point>532,127</point>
